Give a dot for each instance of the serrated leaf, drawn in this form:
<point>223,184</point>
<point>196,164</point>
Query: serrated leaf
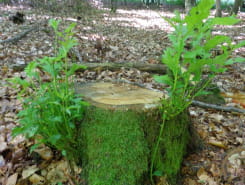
<point>198,14</point>
<point>239,45</point>
<point>30,69</point>
<point>225,21</point>
<point>74,68</point>
<point>165,79</point>
<point>216,40</point>
<point>54,23</point>
<point>235,60</point>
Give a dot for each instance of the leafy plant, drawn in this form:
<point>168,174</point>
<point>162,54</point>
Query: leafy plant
<point>51,109</point>
<point>186,64</point>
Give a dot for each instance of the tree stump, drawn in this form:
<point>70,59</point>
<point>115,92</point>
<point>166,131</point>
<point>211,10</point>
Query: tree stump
<point>119,132</point>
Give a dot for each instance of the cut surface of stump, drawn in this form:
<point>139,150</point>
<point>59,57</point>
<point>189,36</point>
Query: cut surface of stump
<point>109,95</point>
<point>119,132</point>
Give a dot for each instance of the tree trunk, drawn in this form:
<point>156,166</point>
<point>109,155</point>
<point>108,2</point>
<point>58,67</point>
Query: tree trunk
<point>237,4</point>
<point>119,132</point>
<point>218,12</point>
<point>188,6</point>
<point>113,6</point>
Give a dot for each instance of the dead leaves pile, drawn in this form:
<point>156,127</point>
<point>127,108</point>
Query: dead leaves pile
<point>221,162</point>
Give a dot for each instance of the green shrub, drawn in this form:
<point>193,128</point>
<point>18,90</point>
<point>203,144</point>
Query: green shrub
<point>187,64</point>
<point>52,109</point>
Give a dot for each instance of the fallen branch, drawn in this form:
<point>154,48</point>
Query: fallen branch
<point>217,107</point>
<point>151,68</point>
<point>20,36</point>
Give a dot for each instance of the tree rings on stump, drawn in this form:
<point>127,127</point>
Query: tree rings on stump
<point>108,95</point>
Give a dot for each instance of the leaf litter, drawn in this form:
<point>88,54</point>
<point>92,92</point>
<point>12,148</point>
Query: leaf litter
<point>221,160</point>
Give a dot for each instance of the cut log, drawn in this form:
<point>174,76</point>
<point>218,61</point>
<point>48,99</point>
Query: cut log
<point>119,132</point>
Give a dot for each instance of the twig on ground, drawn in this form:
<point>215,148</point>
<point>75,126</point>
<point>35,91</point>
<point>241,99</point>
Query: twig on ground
<point>217,107</point>
<point>19,36</point>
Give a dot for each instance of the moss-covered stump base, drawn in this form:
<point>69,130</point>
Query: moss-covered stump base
<point>173,145</point>
<point>118,140</point>
<point>115,149</point>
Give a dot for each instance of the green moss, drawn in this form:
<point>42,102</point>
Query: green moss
<point>117,146</point>
<point>172,146</point>
<point>175,139</point>
<point>114,148</point>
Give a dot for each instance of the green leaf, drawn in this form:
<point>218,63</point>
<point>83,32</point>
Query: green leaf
<point>53,139</point>
<point>54,24</point>
<point>158,173</point>
<point>18,81</point>
<point>198,14</point>
<point>217,69</point>
<point>235,60</point>
<point>68,111</point>
<point>31,70</point>
<point>74,68</point>
<point>169,20</point>
<point>239,45</point>
<point>71,125</point>
<point>190,55</point>
<point>216,40</point>
<point>64,153</point>
<point>179,85</point>
<point>224,21</point>
<point>70,27</point>
<point>165,79</point>
<point>200,93</point>
<point>53,69</point>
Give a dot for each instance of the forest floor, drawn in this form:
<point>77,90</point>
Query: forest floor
<point>136,36</point>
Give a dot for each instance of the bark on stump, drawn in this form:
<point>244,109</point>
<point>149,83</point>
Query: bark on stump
<point>119,132</point>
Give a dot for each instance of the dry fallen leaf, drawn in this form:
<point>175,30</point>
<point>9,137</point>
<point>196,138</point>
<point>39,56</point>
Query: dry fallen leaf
<point>215,170</point>
<point>128,44</point>
<point>37,179</point>
<point>2,162</point>
<point>238,97</point>
<point>189,181</point>
<point>3,144</point>
<point>204,177</point>
<point>12,179</point>
<point>56,171</point>
<point>29,171</point>
<point>45,152</point>
<point>214,142</point>
<point>217,117</point>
